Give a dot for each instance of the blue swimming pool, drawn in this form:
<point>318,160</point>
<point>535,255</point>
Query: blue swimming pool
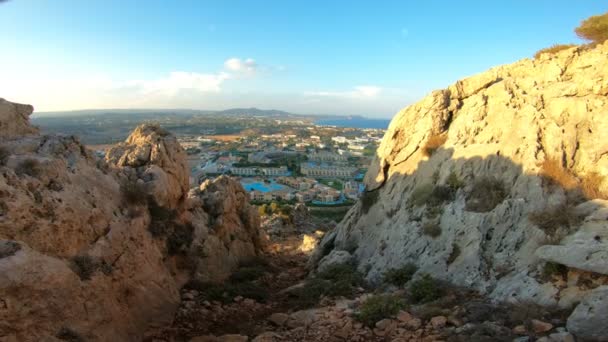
<point>261,186</point>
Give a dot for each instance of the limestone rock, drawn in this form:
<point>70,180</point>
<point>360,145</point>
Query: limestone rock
<point>158,160</point>
<point>587,249</point>
<point>76,258</point>
<point>497,131</point>
<point>588,320</point>
<point>336,257</point>
<point>14,120</point>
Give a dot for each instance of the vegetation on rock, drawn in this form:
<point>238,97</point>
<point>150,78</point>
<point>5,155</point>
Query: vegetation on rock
<point>487,192</point>
<point>400,276</point>
<point>425,289</point>
<point>594,29</point>
<point>379,307</point>
<point>553,49</point>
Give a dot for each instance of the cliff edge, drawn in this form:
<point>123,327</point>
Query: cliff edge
<point>493,184</point>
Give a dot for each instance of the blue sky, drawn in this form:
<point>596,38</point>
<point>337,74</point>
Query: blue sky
<point>341,57</point>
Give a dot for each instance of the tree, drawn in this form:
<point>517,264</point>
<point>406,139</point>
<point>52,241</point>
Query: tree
<point>594,29</point>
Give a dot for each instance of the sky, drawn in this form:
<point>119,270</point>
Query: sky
<point>368,58</point>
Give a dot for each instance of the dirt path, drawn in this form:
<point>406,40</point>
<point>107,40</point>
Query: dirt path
<point>200,316</point>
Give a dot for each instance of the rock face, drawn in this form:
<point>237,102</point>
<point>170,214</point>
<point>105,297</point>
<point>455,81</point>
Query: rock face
<point>78,259</point>
<point>158,159</point>
<point>478,183</point>
<point>14,119</point>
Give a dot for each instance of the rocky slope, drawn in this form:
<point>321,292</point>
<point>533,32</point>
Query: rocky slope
<point>98,250</point>
<point>493,184</point>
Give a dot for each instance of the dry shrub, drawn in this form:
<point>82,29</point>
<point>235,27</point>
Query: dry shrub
<point>433,143</point>
<point>432,229</point>
<point>553,49</point>
<point>553,170</point>
<point>594,29</point>
<point>551,220</point>
<point>485,195</point>
<point>30,167</point>
<point>591,184</point>
<point>4,154</point>
<point>133,192</point>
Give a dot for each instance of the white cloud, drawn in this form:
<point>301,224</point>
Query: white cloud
<point>242,66</point>
<point>358,92</point>
<point>178,80</point>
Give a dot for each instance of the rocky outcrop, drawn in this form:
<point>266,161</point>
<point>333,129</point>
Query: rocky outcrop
<point>79,258</point>
<point>481,184</point>
<point>227,228</point>
<point>157,159</point>
<point>14,119</point>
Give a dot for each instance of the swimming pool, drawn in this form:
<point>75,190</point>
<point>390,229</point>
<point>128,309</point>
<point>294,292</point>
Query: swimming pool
<point>261,186</point>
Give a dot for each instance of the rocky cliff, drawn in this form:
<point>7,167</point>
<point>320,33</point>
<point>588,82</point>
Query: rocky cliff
<point>98,250</point>
<point>497,183</point>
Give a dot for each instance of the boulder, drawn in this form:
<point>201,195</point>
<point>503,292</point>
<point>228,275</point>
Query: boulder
<point>335,257</point>
<point>588,320</point>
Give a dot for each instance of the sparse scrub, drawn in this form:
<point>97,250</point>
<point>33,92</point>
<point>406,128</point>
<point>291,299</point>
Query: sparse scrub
<point>433,143</point>
<point>594,29</point>
<point>421,194</point>
<point>249,273</point>
<point>379,307</point>
<point>431,228</point>
<point>486,194</point>
<point>454,254</point>
<point>553,49</point>
<point>591,186</point>
<point>133,192</point>
<point>180,239</point>
<point>553,170</point>
<point>431,195</point>
<point>84,266</point>
<point>337,280</point>
<point>368,199</point>
<point>400,276</point>
<point>453,182</point>
<point>67,334</point>
<point>425,289</point>
<point>9,248</point>
<point>4,154</point>
<point>551,269</point>
<point>551,219</point>
<point>30,167</point>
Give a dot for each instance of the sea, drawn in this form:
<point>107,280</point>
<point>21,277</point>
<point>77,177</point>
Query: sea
<point>355,122</point>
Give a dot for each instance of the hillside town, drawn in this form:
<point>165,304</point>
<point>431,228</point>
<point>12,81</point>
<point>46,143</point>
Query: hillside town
<point>319,165</point>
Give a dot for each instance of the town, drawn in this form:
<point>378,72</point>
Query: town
<point>314,164</point>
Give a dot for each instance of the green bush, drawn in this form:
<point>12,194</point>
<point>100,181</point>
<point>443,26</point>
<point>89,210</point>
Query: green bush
<point>453,182</point>
<point>335,281</point>
<point>594,29</point>
<point>30,167</point>
<point>368,199</point>
<point>421,194</point>
<point>553,49</point>
<point>400,276</point>
<point>4,154</point>
<point>379,307</point>
<point>486,194</point>
<point>551,269</point>
<point>431,228</point>
<point>425,289</point>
